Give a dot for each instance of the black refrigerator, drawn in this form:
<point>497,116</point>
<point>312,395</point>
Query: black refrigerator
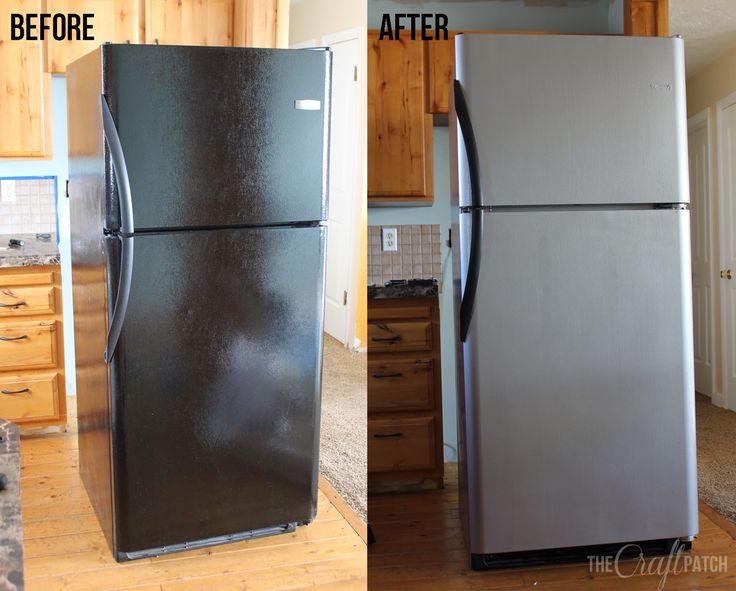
<point>198,199</point>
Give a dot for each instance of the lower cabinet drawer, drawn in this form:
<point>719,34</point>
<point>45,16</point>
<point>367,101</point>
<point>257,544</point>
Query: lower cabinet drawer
<point>399,336</point>
<point>27,345</point>
<point>401,444</point>
<point>400,385</point>
<point>29,397</point>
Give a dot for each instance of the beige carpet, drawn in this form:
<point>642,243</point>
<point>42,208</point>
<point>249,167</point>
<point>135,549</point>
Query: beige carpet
<point>716,436</point>
<point>343,454</point>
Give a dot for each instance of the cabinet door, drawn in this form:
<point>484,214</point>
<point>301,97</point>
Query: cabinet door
<point>261,23</point>
<point>399,130</point>
<point>440,68</point>
<point>204,22</point>
<point>24,90</point>
<point>648,18</point>
<point>115,21</point>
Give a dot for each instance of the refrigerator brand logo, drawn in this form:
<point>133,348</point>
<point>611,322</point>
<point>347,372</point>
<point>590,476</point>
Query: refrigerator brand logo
<point>35,26</point>
<point>661,87</point>
<point>675,563</point>
<point>425,26</point>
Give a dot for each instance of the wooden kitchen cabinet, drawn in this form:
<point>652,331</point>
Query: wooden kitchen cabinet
<point>115,21</point>
<point>399,129</point>
<point>405,442</point>
<point>32,378</point>
<point>648,18</point>
<point>440,67</point>
<point>25,90</point>
<point>196,22</point>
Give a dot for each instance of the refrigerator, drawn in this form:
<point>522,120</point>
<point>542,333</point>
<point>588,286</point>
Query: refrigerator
<point>572,286</point>
<point>198,198</point>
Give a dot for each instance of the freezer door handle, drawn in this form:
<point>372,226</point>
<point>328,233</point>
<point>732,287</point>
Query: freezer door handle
<point>121,170</point>
<point>476,210</point>
<point>126,229</point>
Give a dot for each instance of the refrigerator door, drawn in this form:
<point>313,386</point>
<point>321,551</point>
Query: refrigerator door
<point>559,118</point>
<point>219,136</point>
<point>215,385</point>
<point>578,381</point>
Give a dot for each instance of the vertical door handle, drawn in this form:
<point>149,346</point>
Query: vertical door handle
<point>467,301</point>
<point>126,229</point>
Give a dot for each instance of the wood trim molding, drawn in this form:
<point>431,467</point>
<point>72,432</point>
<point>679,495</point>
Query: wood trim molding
<point>355,521</point>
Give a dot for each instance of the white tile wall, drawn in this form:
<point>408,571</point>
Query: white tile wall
<point>34,209</point>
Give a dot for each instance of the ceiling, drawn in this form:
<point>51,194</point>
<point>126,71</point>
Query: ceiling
<point>708,27</point>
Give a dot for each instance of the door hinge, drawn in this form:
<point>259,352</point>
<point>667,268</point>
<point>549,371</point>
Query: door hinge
<point>67,188</point>
<point>344,298</point>
<point>355,73</point>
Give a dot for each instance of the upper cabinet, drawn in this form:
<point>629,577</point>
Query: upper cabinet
<point>440,68</point>
<point>25,89</point>
<point>243,23</point>
<point>649,18</point>
<point>115,21</point>
<point>196,22</point>
<point>399,129</point>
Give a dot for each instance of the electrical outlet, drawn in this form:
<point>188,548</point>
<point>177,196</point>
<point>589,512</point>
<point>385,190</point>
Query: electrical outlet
<point>7,191</point>
<point>390,239</point>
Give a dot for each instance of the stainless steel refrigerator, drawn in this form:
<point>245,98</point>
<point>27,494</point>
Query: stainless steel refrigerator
<point>573,296</point>
<point>198,190</point>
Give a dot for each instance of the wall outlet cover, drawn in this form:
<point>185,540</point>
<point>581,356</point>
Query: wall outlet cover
<point>7,191</point>
<point>390,238</point>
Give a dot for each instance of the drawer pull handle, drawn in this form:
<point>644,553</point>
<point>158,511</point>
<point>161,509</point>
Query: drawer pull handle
<point>15,391</point>
<point>15,305</point>
<point>382,376</point>
<point>25,336</point>
<point>387,435</point>
<point>395,339</point>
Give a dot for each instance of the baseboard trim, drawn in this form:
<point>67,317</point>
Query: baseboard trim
<point>718,399</point>
<point>353,519</point>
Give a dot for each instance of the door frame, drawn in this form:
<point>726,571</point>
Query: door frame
<point>726,399</point>
<point>704,119</point>
<point>358,206</point>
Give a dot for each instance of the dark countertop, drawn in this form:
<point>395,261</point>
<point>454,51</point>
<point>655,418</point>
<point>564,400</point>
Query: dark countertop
<point>380,292</point>
<point>11,526</point>
<point>33,253</point>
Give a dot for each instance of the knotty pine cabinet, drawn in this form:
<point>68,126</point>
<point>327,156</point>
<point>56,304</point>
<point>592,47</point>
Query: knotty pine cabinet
<point>25,106</point>
<point>399,129</point>
<point>32,377</point>
<point>647,18</point>
<point>115,21</point>
<point>405,442</point>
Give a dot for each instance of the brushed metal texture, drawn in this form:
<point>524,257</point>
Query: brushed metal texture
<point>575,119</point>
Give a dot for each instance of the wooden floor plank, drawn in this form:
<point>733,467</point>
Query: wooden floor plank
<point>64,547</point>
<point>420,547</point>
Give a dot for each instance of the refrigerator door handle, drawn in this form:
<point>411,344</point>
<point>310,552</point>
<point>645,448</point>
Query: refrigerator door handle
<point>121,170</point>
<point>126,229</point>
<point>476,210</point>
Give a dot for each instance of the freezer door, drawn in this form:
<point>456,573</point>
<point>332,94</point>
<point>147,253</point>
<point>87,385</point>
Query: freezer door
<point>216,385</point>
<point>578,381</point>
<point>220,136</point>
<point>575,119</point>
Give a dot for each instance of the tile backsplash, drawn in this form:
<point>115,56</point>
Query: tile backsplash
<point>34,208</point>
<point>418,256</point>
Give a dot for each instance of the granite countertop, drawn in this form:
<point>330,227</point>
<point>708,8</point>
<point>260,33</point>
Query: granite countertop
<point>33,253</point>
<point>380,292</point>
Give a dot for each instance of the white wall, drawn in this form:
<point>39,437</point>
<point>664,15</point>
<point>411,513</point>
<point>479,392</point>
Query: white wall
<point>312,19</point>
<point>56,166</point>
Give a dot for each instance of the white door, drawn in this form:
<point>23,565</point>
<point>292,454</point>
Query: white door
<point>698,149</point>
<point>344,190</point>
<point>726,129</point>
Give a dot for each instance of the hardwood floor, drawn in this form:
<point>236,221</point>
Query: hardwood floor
<point>420,547</point>
<point>64,547</point>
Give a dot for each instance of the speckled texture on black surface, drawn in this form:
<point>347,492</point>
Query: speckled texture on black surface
<point>402,291</point>
<point>11,525</point>
<point>33,252</point>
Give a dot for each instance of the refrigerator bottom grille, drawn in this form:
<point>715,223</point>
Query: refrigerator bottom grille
<point>246,535</point>
<point>578,554</point>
